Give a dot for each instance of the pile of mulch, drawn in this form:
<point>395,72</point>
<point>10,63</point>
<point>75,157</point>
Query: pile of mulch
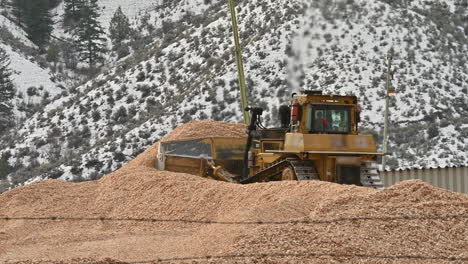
<point>207,128</point>
<point>71,261</point>
<point>140,214</point>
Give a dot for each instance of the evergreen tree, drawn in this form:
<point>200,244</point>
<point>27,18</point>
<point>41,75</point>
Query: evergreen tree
<point>71,15</point>
<point>5,167</point>
<point>19,9</point>
<point>89,35</point>
<point>38,22</point>
<point>6,92</point>
<point>53,53</point>
<point>54,3</point>
<point>119,29</point>
<point>34,17</point>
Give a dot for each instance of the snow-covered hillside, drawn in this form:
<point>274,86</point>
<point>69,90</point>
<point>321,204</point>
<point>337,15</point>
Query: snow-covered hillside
<point>27,72</point>
<point>15,30</point>
<point>349,56</point>
<point>135,9</point>
<point>132,9</point>
<point>187,71</point>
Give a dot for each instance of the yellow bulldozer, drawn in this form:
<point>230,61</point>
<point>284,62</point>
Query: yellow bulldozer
<point>318,140</point>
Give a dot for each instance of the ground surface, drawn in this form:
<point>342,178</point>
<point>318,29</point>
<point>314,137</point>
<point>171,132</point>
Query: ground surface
<point>140,215</point>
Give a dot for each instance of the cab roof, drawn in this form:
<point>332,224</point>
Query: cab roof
<point>324,99</point>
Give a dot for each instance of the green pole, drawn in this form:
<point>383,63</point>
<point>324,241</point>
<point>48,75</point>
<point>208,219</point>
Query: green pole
<point>240,64</point>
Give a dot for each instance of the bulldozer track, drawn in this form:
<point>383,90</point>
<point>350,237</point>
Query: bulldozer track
<point>303,169</point>
<point>370,176</point>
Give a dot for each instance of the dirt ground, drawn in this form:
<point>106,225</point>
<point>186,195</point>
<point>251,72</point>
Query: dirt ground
<point>141,215</point>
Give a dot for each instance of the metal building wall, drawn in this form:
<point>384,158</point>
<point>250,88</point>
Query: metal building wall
<point>454,179</point>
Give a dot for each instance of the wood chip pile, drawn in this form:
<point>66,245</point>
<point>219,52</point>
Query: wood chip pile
<point>280,222</point>
<point>207,128</point>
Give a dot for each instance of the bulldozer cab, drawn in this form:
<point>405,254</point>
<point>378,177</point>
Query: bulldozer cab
<point>314,113</point>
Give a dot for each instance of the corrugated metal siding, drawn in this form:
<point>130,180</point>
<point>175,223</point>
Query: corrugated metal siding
<point>454,179</point>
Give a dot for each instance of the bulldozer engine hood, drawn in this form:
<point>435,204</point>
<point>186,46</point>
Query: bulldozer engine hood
<point>330,143</point>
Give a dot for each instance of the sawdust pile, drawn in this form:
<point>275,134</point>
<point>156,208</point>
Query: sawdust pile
<point>411,222</point>
<point>207,128</point>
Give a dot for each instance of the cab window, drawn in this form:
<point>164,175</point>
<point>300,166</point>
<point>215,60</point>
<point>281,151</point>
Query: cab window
<point>328,119</point>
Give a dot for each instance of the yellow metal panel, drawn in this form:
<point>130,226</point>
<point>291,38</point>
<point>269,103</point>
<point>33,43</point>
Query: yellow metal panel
<point>228,148</point>
<point>183,164</point>
<point>330,170</point>
<point>329,142</point>
<point>268,157</point>
<point>325,99</point>
<point>356,161</point>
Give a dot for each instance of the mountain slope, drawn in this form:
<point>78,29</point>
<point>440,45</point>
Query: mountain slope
<point>32,79</point>
<point>345,51</point>
<point>187,71</point>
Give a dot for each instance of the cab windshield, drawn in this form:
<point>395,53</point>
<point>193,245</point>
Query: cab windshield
<point>328,119</point>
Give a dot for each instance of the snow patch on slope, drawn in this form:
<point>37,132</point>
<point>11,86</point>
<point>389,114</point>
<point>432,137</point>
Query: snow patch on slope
<point>15,30</point>
<point>29,74</point>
